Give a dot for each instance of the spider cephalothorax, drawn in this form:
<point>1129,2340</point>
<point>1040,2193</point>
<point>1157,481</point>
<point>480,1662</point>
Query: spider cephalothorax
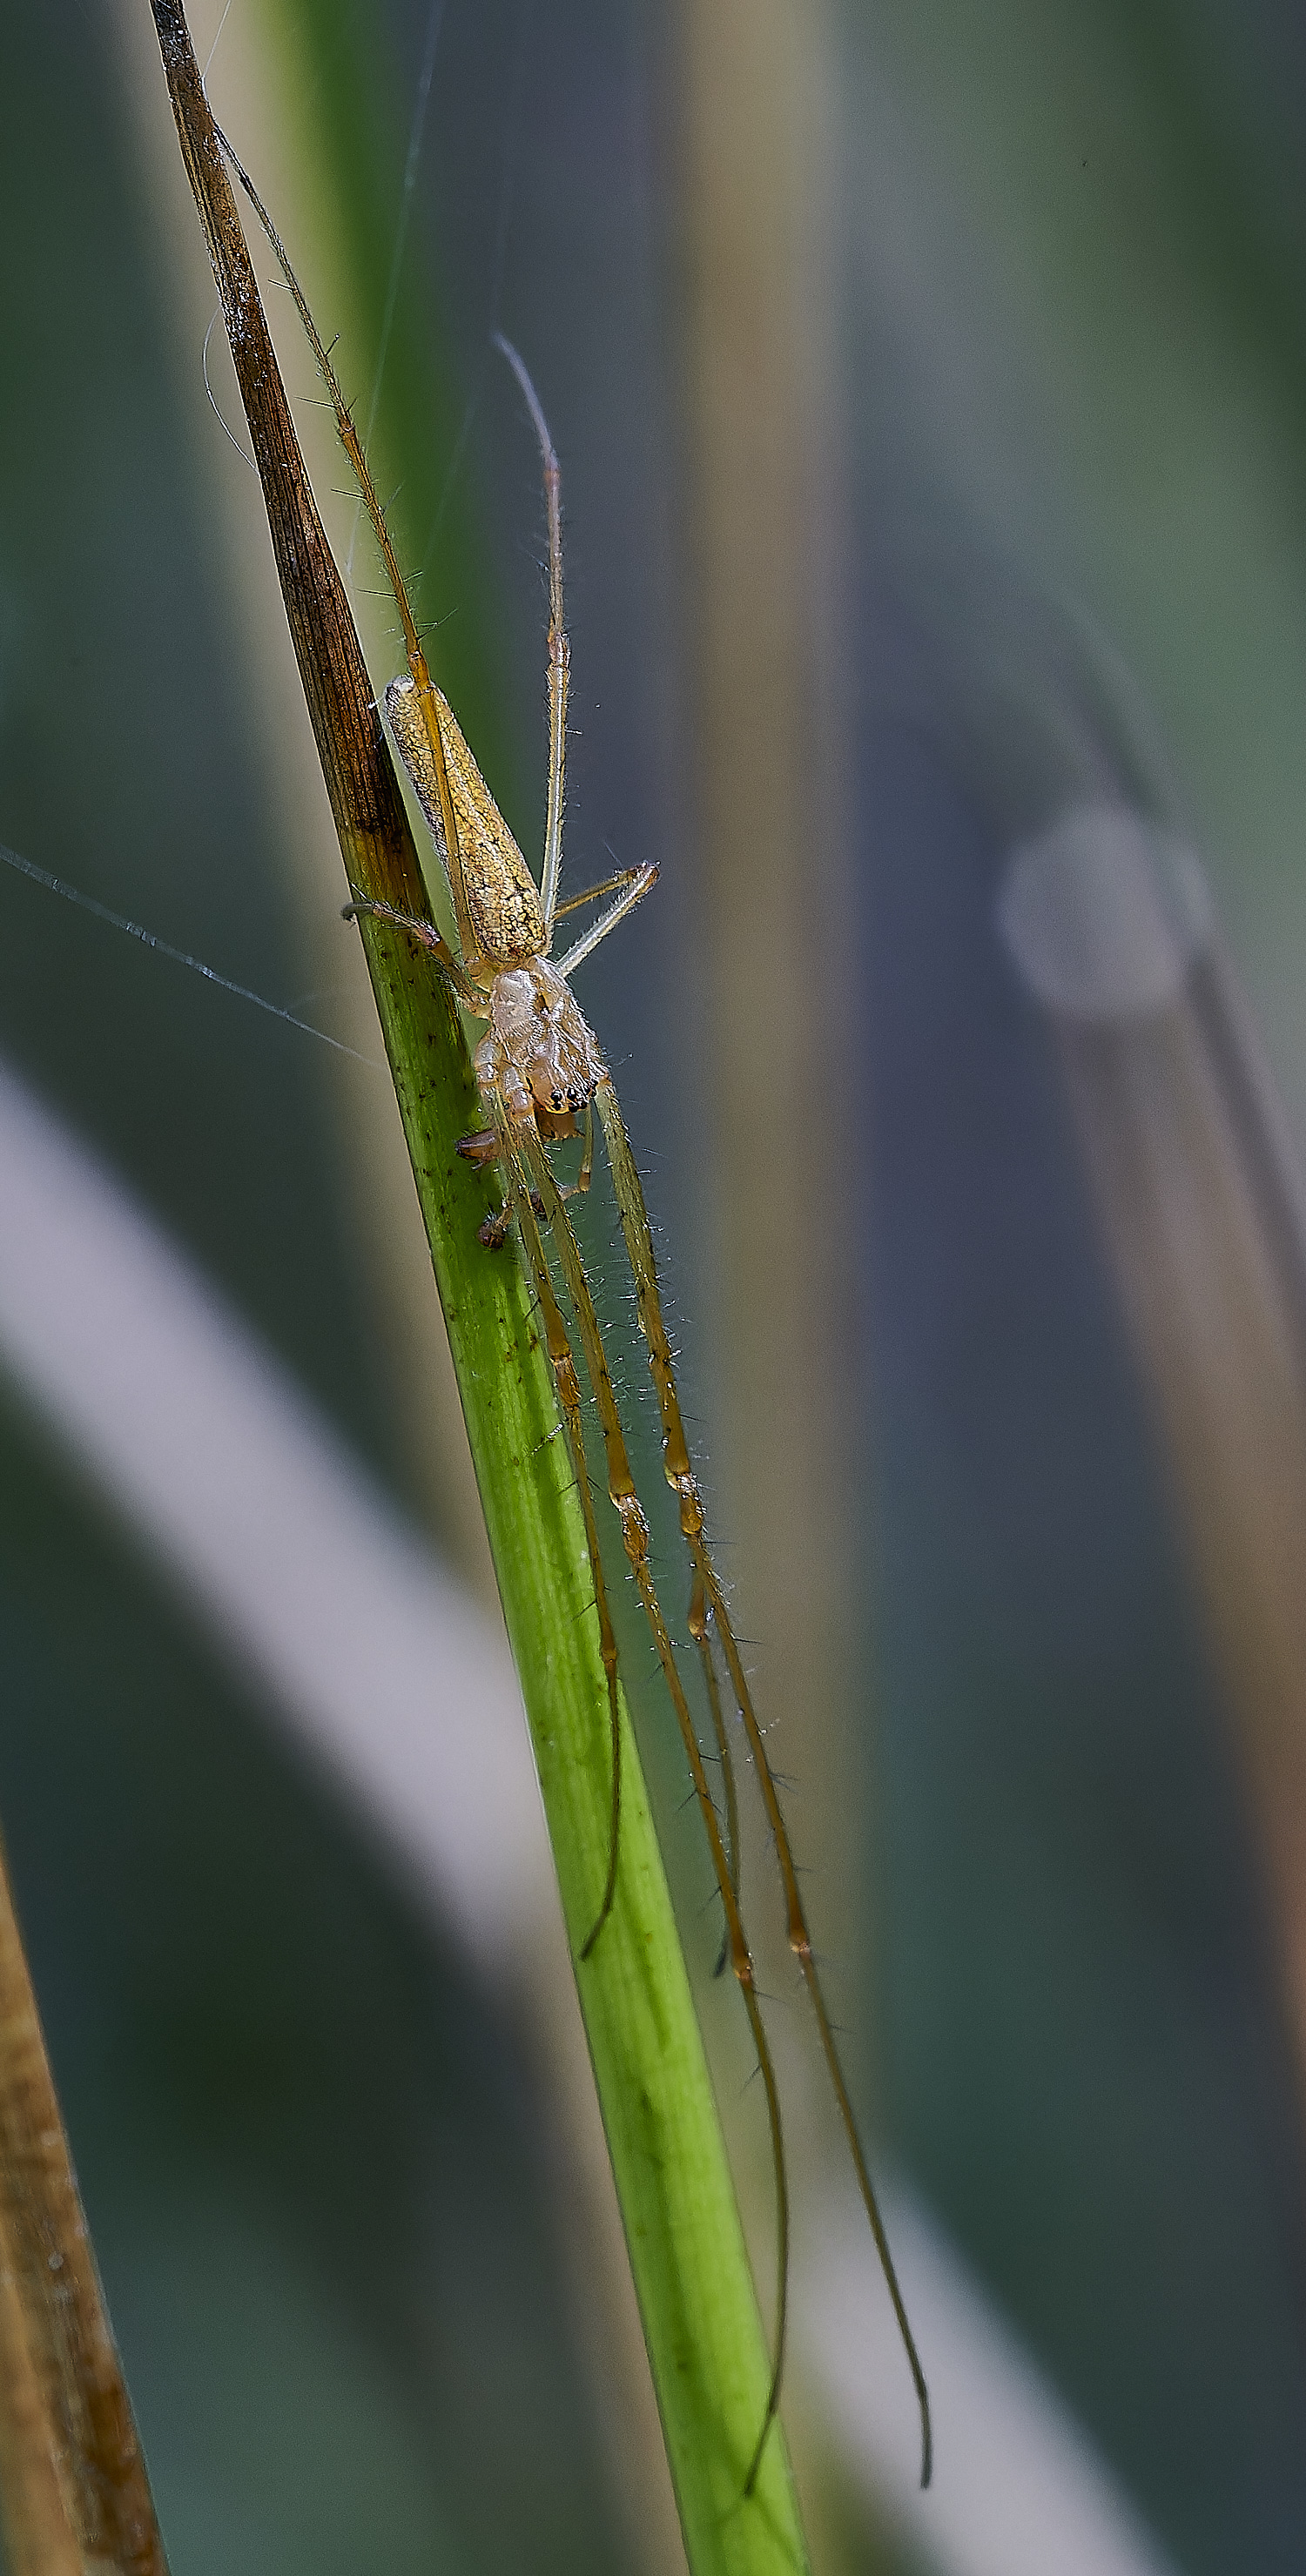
<point>538,1051</point>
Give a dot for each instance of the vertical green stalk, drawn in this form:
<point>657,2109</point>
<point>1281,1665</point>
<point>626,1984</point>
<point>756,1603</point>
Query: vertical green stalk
<point>706,2346</point>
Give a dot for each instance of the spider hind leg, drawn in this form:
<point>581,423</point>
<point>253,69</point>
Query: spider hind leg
<point>524,1202</point>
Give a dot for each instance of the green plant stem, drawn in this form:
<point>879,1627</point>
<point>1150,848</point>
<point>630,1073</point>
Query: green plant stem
<point>706,2347</point>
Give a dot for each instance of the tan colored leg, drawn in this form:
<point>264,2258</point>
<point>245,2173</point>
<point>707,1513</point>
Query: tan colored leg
<point>634,1532</point>
<point>520,1205</point>
<point>559,649</point>
<point>680,1476</point>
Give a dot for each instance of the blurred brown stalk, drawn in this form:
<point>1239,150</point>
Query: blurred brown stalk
<point>1198,1198</point>
<point>75,2493</point>
<point>766,508</point>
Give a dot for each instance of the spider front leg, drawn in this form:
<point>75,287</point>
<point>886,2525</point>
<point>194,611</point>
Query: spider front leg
<point>483,1148</point>
<point>428,937</point>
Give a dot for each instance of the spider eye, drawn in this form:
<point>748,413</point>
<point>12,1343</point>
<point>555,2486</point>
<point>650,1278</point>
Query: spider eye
<point>557,1100</point>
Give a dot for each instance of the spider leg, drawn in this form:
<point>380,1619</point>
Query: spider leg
<point>578,1187</point>
<point>634,1532</point>
<point>636,887</point>
<point>699,1617</point>
<point>485,1146</point>
<point>428,936</point>
<point>559,648</point>
<point>521,1204</point>
<point>680,1476</point>
<point>353,447</point>
<point>594,894</point>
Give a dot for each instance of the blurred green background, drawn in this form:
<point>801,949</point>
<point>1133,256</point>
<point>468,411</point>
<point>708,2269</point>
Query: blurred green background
<point>1051,426</point>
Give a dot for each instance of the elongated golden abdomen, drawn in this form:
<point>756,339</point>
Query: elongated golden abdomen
<point>502,899</point>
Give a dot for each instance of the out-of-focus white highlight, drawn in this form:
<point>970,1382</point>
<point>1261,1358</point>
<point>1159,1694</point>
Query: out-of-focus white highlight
<point>1018,2489</point>
<point>325,1599</point>
<point>311,1580</point>
<point>1105,913</point>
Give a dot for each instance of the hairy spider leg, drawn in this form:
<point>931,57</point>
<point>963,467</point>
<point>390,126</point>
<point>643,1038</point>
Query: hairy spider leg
<point>422,682</point>
<point>709,1604</point>
<point>638,883</point>
<point>559,648</point>
<point>630,888</point>
<point>568,1387</point>
<point>427,936</point>
<point>582,1180</point>
<point>594,893</point>
<point>526,1147</point>
<point>698,1629</point>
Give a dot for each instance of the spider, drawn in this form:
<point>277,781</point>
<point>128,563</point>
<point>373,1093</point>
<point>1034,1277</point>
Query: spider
<point>540,1070</point>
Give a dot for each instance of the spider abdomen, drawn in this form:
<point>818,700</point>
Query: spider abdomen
<point>503,899</point>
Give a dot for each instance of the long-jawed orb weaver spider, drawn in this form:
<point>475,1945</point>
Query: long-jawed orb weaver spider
<point>539,1069</point>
